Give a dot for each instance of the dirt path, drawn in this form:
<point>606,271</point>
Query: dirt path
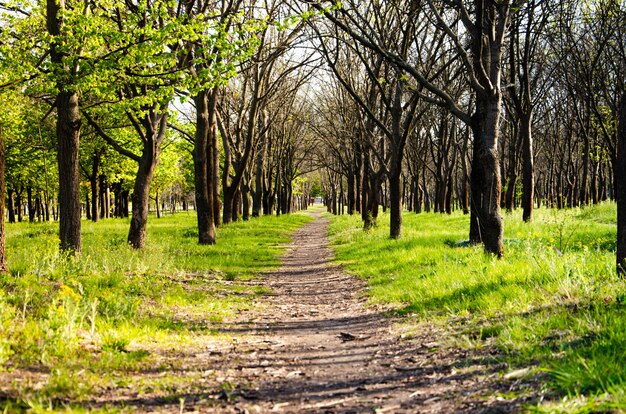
<point>316,348</point>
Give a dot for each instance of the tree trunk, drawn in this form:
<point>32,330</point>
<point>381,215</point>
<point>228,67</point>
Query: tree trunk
<point>245,202</point>
<point>4,267</point>
<point>145,171</point>
<point>450,185</point>
<point>203,179</point>
<point>351,193</point>
<point>68,140</point>
<point>486,184</point>
<point>31,206</point>
<point>257,194</point>
<point>157,203</point>
<point>620,181</point>
<point>93,182</point>
<point>10,206</point>
<point>395,215</point>
<point>18,204</point>
<point>103,199</point>
<point>68,136</point>
<point>528,169</point>
<point>95,168</point>
<point>87,206</point>
<point>140,202</point>
<point>229,199</point>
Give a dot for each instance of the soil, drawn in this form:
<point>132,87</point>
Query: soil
<point>314,345</point>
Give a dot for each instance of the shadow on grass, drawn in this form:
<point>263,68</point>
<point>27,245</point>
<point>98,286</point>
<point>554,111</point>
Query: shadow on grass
<point>378,367</point>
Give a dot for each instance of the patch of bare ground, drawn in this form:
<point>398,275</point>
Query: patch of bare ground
<point>315,347</point>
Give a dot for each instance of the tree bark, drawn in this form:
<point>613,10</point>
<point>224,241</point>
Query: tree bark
<point>140,202</point>
<point>620,181</point>
<point>31,205</point>
<point>528,174</point>
<point>68,139</point>
<point>10,206</point>
<point>68,136</point>
<point>202,170</point>
<point>395,205</point>
<point>145,172</point>
<point>486,184</point>
<point>93,180</point>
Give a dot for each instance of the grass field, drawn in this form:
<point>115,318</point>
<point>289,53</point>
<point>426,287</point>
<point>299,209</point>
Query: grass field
<point>96,318</point>
<point>553,304</point>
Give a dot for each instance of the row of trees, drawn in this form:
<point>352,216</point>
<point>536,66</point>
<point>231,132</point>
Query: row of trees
<point>105,77</point>
<point>481,105</point>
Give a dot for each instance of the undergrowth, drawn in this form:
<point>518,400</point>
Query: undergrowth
<point>554,302</point>
<point>70,325</point>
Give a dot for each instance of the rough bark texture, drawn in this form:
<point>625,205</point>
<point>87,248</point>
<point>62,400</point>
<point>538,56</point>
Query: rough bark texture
<point>620,181</point>
<point>202,168</point>
<point>68,136</point>
<point>486,184</point>
<point>140,204</point>
<point>68,140</point>
<point>145,172</point>
<point>528,175</point>
<point>395,204</point>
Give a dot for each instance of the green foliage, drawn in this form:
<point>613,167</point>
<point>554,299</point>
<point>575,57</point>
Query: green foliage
<point>554,301</point>
<point>93,320</point>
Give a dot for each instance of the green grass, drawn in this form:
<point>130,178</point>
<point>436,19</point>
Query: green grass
<point>111,310</point>
<point>553,302</point>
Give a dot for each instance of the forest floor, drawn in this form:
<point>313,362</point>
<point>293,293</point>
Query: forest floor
<point>314,345</point>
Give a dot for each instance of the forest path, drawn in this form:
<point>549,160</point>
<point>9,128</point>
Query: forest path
<point>315,347</point>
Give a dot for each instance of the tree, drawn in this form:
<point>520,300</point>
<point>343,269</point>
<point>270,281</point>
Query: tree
<point>241,105</point>
<point>620,180</point>
<point>69,124</point>
<point>527,85</point>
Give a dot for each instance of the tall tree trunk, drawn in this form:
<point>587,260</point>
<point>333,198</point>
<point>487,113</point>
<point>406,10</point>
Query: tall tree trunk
<point>4,267</point>
<point>68,140</point>
<point>245,201</point>
<point>395,193</point>
<point>140,202</point>
<point>92,208</point>
<point>257,194</point>
<point>157,202</point>
<point>351,193</point>
<point>93,181</point>
<point>620,181</point>
<point>10,206</point>
<point>449,192</point>
<point>465,173</point>
<point>528,169</point>
<point>145,172</point>
<point>68,136</point>
<point>102,199</point>
<point>31,205</point>
<point>203,179</point>
<point>18,204</point>
<point>486,184</point>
